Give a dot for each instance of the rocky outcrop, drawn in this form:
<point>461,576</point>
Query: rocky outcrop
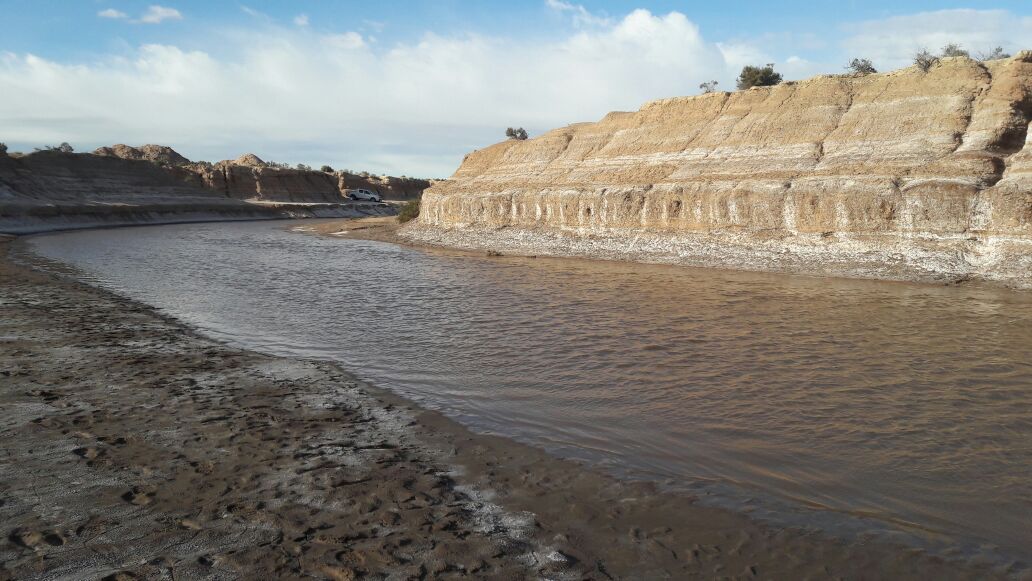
<point>248,177</point>
<point>905,175</point>
<point>51,190</point>
<point>159,154</point>
<point>273,184</point>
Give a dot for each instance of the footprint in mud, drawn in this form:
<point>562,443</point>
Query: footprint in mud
<point>88,453</point>
<point>31,539</point>
<point>139,495</point>
<point>45,394</point>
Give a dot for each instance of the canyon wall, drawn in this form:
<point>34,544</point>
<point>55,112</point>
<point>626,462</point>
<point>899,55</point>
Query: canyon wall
<point>249,178</point>
<point>50,190</point>
<point>908,175</point>
<point>244,179</point>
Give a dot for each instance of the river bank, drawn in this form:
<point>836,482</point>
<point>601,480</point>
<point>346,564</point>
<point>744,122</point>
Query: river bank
<point>134,446</point>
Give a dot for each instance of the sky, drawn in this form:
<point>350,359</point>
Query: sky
<point>409,87</point>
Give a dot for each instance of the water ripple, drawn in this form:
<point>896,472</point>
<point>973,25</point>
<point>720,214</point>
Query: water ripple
<point>903,403</point>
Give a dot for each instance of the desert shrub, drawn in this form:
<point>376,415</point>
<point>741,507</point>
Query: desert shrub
<point>63,148</point>
<point>925,60</point>
<point>953,49</point>
<point>518,134</point>
<point>709,86</point>
<point>861,67</point>
<point>3,149</point>
<point>326,169</point>
<point>992,55</point>
<point>764,76</point>
<point>303,167</point>
<point>409,211</point>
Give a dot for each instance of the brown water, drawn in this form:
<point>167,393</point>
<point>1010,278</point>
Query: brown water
<point>855,407</point>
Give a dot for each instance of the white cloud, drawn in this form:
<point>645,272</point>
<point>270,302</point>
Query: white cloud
<point>113,14</point>
<point>301,20</point>
<point>892,42</point>
<point>408,108</point>
<point>417,107</point>
<point>156,14</point>
<point>581,15</point>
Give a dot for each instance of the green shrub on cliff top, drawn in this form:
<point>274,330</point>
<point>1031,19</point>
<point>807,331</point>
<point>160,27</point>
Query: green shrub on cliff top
<point>992,55</point>
<point>861,67</point>
<point>709,86</point>
<point>519,134</point>
<point>410,211</point>
<point>925,60</point>
<point>953,49</point>
<point>764,76</point>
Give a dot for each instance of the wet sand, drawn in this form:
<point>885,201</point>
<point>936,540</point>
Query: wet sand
<point>133,447</point>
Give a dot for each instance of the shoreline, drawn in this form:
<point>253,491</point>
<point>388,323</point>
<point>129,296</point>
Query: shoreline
<point>136,445</point>
<point>83,218</point>
<point>386,229</point>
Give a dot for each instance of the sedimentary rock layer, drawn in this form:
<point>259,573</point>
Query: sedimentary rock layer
<point>248,177</point>
<point>245,182</point>
<point>52,190</point>
<point>906,175</point>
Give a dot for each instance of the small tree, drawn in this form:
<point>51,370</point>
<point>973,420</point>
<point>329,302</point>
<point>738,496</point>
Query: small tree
<point>518,134</point>
<point>925,60</point>
<point>953,49</point>
<point>758,77</point>
<point>994,54</point>
<point>304,167</point>
<point>709,86</point>
<point>65,148</point>
<point>326,169</point>
<point>3,148</point>
<point>861,67</point>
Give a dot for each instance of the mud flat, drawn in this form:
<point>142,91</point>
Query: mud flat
<point>135,448</point>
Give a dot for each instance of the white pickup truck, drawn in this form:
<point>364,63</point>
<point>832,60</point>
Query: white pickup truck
<point>363,195</point>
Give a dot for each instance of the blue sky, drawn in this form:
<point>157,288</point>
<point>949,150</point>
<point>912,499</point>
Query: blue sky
<point>409,87</point>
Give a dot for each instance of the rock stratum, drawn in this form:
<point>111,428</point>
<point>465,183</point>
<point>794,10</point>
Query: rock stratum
<point>907,175</point>
<point>248,177</point>
<point>121,185</point>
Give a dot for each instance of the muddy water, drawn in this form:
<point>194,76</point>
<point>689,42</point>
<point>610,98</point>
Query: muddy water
<point>854,407</point>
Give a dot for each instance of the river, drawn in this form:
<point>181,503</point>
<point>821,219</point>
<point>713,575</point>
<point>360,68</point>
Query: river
<point>855,407</point>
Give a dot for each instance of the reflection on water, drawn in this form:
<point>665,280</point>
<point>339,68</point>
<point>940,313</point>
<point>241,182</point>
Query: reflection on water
<point>909,404</point>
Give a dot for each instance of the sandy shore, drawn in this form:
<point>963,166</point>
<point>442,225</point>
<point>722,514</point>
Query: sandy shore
<point>134,448</point>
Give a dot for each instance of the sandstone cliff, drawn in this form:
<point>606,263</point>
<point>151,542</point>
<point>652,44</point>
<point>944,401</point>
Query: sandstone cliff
<point>904,175</point>
<point>52,190</point>
<point>248,177</point>
<point>261,183</point>
<point>160,154</point>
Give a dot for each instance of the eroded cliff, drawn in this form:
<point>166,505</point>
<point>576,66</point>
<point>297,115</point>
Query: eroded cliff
<point>906,175</point>
<point>248,177</point>
<point>51,190</point>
